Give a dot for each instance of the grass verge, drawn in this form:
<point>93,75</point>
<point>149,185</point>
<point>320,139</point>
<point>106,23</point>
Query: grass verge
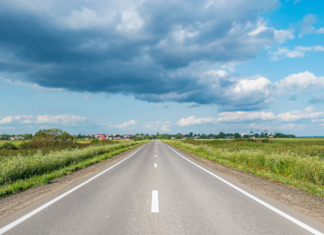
<point>302,173</point>
<point>23,184</point>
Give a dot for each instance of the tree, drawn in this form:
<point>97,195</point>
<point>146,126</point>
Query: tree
<point>190,134</point>
<point>221,135</point>
<point>52,132</point>
<point>178,136</point>
<point>49,138</point>
<point>237,135</point>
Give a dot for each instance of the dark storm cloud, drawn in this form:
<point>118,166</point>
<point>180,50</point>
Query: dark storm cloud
<point>156,50</point>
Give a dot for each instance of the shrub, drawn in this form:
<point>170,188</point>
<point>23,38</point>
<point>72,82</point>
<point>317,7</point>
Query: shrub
<point>48,138</point>
<point>94,141</point>
<point>9,146</point>
<point>265,141</point>
<point>251,140</point>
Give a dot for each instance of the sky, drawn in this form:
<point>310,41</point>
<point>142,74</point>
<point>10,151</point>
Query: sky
<point>110,67</point>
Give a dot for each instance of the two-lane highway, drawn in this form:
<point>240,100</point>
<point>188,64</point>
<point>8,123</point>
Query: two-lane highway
<point>158,191</point>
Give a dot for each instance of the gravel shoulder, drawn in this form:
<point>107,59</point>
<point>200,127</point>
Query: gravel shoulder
<point>308,204</point>
<point>11,204</point>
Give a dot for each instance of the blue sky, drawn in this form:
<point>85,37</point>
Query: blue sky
<point>162,66</point>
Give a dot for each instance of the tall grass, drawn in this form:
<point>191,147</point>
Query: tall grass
<point>289,165</point>
<point>23,167</point>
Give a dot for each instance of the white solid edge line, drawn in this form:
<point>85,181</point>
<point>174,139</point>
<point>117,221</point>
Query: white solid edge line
<point>155,165</point>
<point>155,202</point>
<point>30,214</point>
<point>292,219</point>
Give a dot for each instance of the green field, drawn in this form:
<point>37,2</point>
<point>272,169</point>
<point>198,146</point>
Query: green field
<point>298,163</point>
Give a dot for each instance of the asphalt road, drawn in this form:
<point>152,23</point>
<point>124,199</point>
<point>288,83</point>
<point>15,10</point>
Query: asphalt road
<point>157,191</point>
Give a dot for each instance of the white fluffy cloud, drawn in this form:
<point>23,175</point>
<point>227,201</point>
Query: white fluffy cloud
<point>305,81</point>
<point>64,119</point>
<point>297,115</point>
<point>245,116</point>
<point>125,125</point>
<point>260,120</point>
<point>194,121</point>
<point>299,51</point>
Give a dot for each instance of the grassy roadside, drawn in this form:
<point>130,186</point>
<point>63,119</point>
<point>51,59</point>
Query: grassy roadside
<point>42,179</point>
<point>290,169</point>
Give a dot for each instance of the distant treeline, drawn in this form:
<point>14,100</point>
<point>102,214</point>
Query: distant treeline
<point>221,135</point>
<point>7,137</point>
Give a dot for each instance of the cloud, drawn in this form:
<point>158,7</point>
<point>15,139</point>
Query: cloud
<point>87,97</point>
<point>302,81</point>
<point>125,125</point>
<point>290,126</point>
<point>306,26</point>
<point>299,51</point>
<point>280,36</point>
<point>194,121</point>
<point>317,99</point>
<point>157,51</point>
<point>165,128</point>
<point>158,125</point>
<point>64,119</point>
<point>297,115</point>
<point>6,120</point>
<point>245,116</point>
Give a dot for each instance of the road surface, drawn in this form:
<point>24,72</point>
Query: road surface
<point>157,191</point>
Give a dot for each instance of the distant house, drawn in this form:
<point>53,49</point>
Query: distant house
<point>128,136</point>
<point>17,138</point>
<point>102,137</point>
<point>197,137</point>
<point>183,138</point>
<point>86,138</point>
<point>99,136</point>
<point>172,138</point>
